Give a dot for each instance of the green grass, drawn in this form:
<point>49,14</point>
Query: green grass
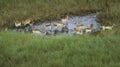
<point>27,50</point>
<point>41,10</point>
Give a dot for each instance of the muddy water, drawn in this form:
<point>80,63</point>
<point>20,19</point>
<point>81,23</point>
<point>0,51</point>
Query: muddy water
<point>69,29</point>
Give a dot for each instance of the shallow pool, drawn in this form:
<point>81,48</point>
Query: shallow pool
<point>71,23</point>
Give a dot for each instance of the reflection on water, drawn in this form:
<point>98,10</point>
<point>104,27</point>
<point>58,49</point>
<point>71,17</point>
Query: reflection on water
<point>49,27</point>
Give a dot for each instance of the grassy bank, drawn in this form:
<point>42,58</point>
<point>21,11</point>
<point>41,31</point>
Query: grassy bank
<point>27,50</point>
<point>111,15</point>
<point>40,10</point>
